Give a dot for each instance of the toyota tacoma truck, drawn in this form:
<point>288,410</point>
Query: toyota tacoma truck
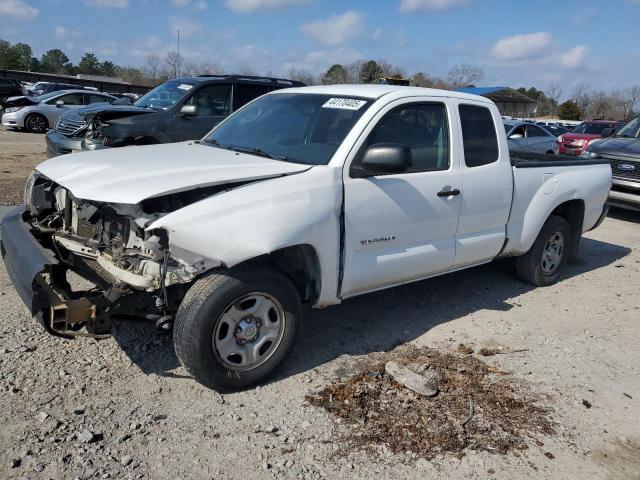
<point>304,197</point>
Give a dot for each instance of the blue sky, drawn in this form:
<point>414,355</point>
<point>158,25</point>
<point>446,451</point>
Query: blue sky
<point>516,43</point>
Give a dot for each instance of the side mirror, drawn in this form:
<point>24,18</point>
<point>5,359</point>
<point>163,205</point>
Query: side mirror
<point>188,111</point>
<point>59,103</point>
<point>607,132</point>
<point>386,158</point>
<point>516,136</point>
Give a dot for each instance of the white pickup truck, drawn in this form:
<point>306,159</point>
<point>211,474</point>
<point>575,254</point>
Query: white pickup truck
<point>304,196</point>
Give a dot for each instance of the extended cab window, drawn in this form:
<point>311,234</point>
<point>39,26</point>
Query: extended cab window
<point>421,127</point>
<point>478,135</point>
<point>211,101</point>
<point>245,93</point>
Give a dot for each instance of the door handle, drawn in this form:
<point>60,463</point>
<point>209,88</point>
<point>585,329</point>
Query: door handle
<point>449,193</point>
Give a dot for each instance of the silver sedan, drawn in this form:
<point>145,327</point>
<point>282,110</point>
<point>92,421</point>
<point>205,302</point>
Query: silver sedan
<point>530,138</point>
<point>40,113</point>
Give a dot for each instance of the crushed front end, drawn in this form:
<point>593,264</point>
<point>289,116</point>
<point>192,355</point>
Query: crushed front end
<point>125,268</point>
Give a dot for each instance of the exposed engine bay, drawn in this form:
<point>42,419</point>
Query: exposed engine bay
<point>131,266</point>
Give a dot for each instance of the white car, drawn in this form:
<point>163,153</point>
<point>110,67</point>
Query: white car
<point>37,114</point>
<point>305,196</point>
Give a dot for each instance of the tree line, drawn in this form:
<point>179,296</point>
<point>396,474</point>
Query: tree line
<point>583,103</point>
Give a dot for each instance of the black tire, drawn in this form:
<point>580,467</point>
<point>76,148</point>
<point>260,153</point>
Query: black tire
<point>533,266</point>
<point>36,123</point>
<point>202,310</point>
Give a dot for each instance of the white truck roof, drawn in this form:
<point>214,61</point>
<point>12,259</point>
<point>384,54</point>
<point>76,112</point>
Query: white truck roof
<point>376,91</point>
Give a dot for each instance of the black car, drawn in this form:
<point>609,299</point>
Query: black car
<point>9,87</point>
<point>622,149</point>
<point>41,88</point>
<point>177,110</point>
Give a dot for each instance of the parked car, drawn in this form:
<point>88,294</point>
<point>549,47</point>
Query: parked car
<point>9,87</point>
<point>305,196</point>
<point>622,149</point>
<point>527,137</point>
<point>556,130</point>
<point>37,114</point>
<point>40,88</point>
<point>177,110</point>
<point>574,142</point>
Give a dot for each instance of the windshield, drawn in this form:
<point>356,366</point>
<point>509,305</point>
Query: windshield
<point>164,96</point>
<point>296,127</point>
<point>631,129</point>
<point>591,128</point>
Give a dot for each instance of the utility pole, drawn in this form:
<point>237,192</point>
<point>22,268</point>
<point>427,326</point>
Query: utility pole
<point>178,53</point>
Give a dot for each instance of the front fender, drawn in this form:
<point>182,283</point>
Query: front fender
<point>265,216</point>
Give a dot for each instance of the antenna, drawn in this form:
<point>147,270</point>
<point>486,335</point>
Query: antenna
<point>178,53</point>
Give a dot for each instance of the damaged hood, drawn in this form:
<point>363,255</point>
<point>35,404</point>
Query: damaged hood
<point>106,111</point>
<point>132,174</point>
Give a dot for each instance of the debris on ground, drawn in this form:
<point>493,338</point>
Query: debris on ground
<point>586,403</point>
<point>462,348</point>
<point>476,408</point>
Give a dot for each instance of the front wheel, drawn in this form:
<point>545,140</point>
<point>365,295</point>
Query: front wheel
<point>36,123</point>
<point>541,265</point>
<point>233,329</point>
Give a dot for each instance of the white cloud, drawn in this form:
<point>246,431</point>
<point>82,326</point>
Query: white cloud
<point>62,32</point>
<point>18,9</point>
<point>180,3</point>
<point>431,5</point>
<point>585,15</point>
<point>108,3</point>
<point>253,5</point>
<point>575,57</point>
<point>320,60</point>
<point>186,26</point>
<point>337,29</point>
<point>519,47</point>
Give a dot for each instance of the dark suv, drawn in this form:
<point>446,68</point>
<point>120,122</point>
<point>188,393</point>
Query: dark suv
<point>9,87</point>
<point>177,110</point>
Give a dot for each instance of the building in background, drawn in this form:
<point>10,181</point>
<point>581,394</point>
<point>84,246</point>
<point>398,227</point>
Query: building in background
<point>509,102</point>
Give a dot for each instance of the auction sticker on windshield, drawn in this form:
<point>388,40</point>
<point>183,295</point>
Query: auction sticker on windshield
<point>344,103</point>
<point>185,86</point>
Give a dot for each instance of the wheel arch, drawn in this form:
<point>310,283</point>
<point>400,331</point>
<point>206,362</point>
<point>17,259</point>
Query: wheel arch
<point>300,263</point>
<point>573,212</point>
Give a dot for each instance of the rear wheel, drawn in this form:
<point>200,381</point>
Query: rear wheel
<point>541,265</point>
<point>233,329</point>
<point>36,123</point>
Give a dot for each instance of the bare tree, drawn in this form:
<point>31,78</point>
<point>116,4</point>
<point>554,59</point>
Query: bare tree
<point>464,75</point>
<point>628,99</point>
<point>302,76</point>
<point>206,68</point>
<point>553,94</point>
<point>173,63</point>
<point>152,66</point>
<point>581,97</point>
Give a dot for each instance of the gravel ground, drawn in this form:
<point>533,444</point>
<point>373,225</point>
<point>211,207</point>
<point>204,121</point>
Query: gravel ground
<point>19,153</point>
<point>124,408</point>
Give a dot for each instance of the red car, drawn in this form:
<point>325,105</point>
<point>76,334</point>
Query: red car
<point>574,142</point>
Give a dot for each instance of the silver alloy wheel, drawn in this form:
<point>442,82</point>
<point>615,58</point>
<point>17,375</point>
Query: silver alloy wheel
<point>249,331</point>
<point>552,253</point>
<point>37,123</point>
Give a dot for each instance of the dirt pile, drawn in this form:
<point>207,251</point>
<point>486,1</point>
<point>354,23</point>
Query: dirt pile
<point>477,407</point>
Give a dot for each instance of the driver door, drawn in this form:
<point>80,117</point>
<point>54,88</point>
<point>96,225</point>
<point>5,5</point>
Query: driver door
<point>400,227</point>
<point>213,104</point>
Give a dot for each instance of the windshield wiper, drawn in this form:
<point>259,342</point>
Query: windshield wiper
<point>258,151</point>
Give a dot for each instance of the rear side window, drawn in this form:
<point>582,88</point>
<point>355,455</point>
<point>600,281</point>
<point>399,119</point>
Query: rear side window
<point>245,93</point>
<point>478,135</point>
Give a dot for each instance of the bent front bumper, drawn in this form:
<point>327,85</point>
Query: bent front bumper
<point>39,278</point>
<point>25,259</point>
<point>58,144</point>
